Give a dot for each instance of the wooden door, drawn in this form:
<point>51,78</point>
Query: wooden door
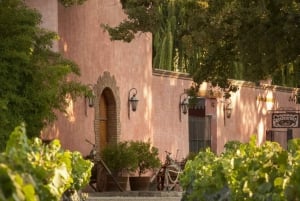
<point>103,122</point>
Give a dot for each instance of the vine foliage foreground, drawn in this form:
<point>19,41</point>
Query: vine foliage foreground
<point>33,171</point>
<point>244,171</point>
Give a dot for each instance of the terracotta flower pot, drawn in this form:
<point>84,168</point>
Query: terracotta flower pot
<point>139,183</point>
<point>112,186</point>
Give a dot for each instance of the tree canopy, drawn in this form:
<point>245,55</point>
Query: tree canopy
<point>34,80</point>
<point>219,40</point>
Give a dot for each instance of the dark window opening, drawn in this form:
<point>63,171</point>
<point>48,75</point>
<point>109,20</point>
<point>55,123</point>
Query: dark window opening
<point>282,137</point>
<point>199,127</point>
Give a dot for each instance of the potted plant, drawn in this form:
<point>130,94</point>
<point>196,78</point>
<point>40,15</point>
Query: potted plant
<point>147,159</point>
<point>120,160</point>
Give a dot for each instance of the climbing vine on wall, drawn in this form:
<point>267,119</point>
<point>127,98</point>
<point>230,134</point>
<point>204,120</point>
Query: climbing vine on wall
<point>68,3</point>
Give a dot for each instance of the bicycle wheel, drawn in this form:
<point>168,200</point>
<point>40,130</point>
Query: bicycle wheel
<point>160,179</point>
<point>171,177</point>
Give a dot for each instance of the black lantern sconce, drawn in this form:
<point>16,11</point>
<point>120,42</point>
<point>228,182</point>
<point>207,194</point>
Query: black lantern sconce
<point>91,101</point>
<point>132,100</point>
<point>183,105</point>
<point>89,98</point>
<point>227,109</point>
<point>295,97</point>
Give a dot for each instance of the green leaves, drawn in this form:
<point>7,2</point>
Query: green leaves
<point>202,177</point>
<point>33,171</point>
<point>130,156</point>
<point>219,40</point>
<point>34,79</point>
<point>119,157</point>
<point>250,172</point>
<point>146,156</point>
<point>68,3</point>
<point>82,173</point>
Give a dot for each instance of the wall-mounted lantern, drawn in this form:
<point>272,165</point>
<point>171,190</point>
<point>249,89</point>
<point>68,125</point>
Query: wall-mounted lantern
<point>295,97</point>
<point>89,98</point>
<point>132,100</point>
<point>227,109</point>
<point>183,104</point>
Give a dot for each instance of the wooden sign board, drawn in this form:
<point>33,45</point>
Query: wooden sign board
<point>285,120</point>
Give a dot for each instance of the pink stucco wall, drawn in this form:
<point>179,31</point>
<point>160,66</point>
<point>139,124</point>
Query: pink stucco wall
<point>170,133</point>
<point>157,118</point>
<point>252,107</point>
<point>49,11</point>
<point>85,42</point>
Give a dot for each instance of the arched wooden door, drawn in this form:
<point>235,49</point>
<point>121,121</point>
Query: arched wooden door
<point>107,119</point>
<point>103,107</point>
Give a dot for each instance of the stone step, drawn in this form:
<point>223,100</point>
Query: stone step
<point>136,196</point>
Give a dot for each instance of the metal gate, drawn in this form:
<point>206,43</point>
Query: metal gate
<point>199,133</point>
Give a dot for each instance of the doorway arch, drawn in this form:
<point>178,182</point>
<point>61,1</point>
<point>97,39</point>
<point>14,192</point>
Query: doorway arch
<point>107,112</point>
<point>107,119</point>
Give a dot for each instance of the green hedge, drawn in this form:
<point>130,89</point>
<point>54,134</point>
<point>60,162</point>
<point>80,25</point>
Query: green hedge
<point>32,171</point>
<point>244,171</point>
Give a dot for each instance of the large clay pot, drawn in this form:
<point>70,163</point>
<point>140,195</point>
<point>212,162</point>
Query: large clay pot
<point>112,186</point>
<point>139,183</point>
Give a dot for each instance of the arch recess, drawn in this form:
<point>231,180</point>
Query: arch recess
<point>106,89</point>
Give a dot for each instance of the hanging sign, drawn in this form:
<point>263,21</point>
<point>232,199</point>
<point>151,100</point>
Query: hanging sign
<point>285,120</point>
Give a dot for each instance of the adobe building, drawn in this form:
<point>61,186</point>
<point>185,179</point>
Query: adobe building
<point>117,70</point>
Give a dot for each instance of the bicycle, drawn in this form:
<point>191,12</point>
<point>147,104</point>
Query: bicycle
<point>92,158</point>
<point>98,163</point>
<point>168,175</point>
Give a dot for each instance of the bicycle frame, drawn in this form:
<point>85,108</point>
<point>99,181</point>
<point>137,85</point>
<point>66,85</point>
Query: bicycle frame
<point>168,174</point>
<point>92,157</point>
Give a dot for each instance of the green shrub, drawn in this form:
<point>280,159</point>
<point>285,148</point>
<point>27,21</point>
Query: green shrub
<point>118,158</point>
<point>31,170</point>
<point>244,171</point>
<point>146,156</point>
